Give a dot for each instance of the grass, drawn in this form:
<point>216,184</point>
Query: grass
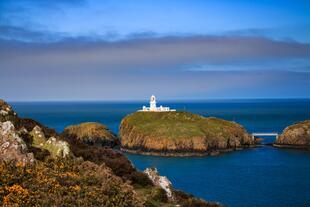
<point>297,125</point>
<point>87,130</point>
<point>178,124</point>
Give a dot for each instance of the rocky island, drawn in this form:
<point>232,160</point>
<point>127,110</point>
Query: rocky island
<point>177,133</point>
<point>39,167</point>
<point>295,136</point>
<point>92,133</point>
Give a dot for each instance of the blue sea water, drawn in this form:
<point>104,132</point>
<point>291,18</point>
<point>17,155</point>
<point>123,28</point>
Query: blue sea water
<point>263,176</point>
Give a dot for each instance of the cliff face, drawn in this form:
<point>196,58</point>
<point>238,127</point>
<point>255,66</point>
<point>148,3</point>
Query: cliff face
<point>180,133</point>
<point>296,134</point>
<point>92,134</point>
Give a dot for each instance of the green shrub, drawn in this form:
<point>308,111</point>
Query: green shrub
<point>159,194</point>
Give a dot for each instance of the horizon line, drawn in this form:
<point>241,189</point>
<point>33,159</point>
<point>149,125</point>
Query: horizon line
<point>169,100</point>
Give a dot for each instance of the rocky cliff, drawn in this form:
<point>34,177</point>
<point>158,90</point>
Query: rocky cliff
<point>39,167</point>
<point>29,136</point>
<point>295,136</point>
<point>180,134</point>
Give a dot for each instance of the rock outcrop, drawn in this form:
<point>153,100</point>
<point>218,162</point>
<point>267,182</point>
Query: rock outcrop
<point>7,113</point>
<point>295,136</point>
<point>160,181</point>
<point>92,133</point>
<point>180,134</point>
<point>12,147</point>
<point>32,134</point>
<point>56,147</point>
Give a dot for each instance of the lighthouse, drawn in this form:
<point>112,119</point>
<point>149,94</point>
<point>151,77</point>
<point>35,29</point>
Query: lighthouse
<point>153,103</point>
<point>154,108</point>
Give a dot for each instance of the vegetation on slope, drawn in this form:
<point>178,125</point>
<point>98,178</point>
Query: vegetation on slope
<point>31,174</point>
<point>70,182</point>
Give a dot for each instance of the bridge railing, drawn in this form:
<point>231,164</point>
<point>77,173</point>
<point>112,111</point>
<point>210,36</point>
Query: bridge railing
<point>256,134</point>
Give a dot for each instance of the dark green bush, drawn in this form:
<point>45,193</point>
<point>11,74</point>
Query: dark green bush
<point>119,164</point>
<point>39,153</point>
<point>159,194</point>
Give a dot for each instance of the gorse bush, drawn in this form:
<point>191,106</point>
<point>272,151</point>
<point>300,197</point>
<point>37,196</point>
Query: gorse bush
<point>63,183</point>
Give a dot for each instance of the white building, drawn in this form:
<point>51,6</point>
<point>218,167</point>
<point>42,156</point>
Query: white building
<point>154,108</point>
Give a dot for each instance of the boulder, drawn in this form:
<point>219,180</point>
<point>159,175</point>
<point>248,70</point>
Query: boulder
<point>56,147</point>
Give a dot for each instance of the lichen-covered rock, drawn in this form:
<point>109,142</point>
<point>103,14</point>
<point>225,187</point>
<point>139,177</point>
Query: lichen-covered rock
<point>38,136</point>
<point>12,147</point>
<point>7,113</point>
<point>297,134</point>
<point>92,133</point>
<point>57,148</point>
<point>161,181</point>
<point>180,134</point>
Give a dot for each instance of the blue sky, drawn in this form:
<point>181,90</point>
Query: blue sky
<point>176,49</point>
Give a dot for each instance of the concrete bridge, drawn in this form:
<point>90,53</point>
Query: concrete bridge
<point>265,134</point>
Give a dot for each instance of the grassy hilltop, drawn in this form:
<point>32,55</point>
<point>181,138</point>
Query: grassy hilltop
<point>180,132</point>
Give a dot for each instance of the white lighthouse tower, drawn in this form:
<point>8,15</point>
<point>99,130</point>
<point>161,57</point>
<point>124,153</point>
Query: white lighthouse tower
<point>154,108</point>
<point>153,103</point>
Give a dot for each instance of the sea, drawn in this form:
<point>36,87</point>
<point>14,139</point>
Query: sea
<point>263,176</point>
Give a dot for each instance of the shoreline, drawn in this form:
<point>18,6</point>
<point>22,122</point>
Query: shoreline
<point>291,146</point>
<point>188,154</point>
